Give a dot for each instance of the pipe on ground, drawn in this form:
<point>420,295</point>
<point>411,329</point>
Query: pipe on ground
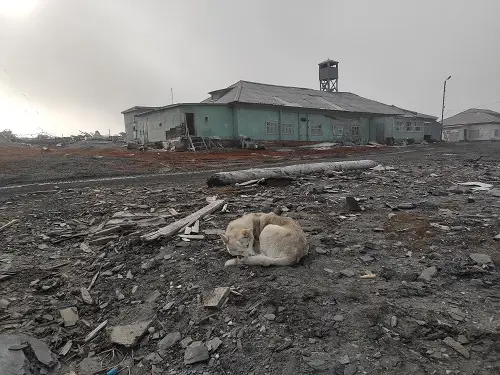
<point>229,178</point>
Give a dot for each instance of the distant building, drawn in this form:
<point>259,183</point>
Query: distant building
<point>278,113</point>
<point>472,125</point>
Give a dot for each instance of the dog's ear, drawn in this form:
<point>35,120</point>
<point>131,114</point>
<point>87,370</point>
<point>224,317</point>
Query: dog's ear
<point>224,238</point>
<point>246,233</point>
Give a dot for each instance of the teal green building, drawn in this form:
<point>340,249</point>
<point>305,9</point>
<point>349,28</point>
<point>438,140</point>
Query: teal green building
<point>273,113</point>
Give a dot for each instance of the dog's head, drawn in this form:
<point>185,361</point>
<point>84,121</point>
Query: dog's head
<point>239,243</point>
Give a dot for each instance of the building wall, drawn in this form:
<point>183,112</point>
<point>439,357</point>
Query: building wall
<point>483,132</point>
<point>432,129</point>
<point>454,134</point>
<point>408,128</point>
<point>269,124</point>
<point>129,119</point>
<point>208,121</point>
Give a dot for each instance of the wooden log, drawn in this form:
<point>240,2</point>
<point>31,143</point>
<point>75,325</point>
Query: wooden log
<point>229,178</point>
<point>174,227</point>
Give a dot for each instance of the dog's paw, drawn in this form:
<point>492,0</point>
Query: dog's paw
<point>231,262</point>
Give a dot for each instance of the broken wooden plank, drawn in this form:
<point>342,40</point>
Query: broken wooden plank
<point>96,331</point>
<point>195,228</point>
<point>217,298</point>
<point>174,227</point>
<point>187,230</point>
<point>66,348</point>
<point>10,223</point>
<point>192,236</point>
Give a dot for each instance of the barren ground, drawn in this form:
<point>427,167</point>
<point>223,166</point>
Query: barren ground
<point>318,316</point>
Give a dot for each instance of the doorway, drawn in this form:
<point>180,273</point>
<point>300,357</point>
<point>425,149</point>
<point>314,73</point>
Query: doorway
<point>303,124</point>
<point>190,123</point>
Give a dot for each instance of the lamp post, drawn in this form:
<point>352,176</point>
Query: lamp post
<point>442,109</point>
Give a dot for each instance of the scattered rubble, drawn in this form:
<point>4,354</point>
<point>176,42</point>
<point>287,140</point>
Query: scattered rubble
<point>94,275</point>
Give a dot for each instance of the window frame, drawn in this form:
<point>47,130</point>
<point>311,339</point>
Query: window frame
<point>358,131</point>
<point>286,128</point>
<point>316,130</point>
<point>273,125</point>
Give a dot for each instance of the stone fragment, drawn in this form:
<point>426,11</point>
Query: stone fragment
<point>89,366</point>
<point>338,318</point>
<point>153,296</point>
<point>344,360</point>
<point>217,298</point>
<point>213,344</point>
<point>318,361</point>
<point>366,258</point>
<point>428,274</point>
<point>86,297</point>
<point>462,339</point>
<point>351,369</point>
<point>407,206</point>
<point>196,352</point>
<point>270,316</point>
<point>168,341</point>
<point>70,316</point>
<point>352,204</point>
<point>481,259</point>
<point>457,314</point>
<point>129,335</point>
<point>119,295</point>
<point>394,321</point>
<point>347,273</point>
<point>4,304</point>
<point>457,347</point>
<point>186,341</point>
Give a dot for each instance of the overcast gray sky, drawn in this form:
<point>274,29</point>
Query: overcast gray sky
<point>81,62</point>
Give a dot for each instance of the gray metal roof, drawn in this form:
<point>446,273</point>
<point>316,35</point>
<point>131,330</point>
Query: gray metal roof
<point>473,116</point>
<point>259,93</point>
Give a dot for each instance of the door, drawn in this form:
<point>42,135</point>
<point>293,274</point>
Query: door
<point>303,124</point>
<point>380,136</point>
<point>190,123</point>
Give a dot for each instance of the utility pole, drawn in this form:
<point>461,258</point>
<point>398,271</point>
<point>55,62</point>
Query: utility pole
<point>172,93</point>
<point>442,109</point>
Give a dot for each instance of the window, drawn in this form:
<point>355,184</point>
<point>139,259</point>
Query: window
<point>316,130</point>
<point>271,127</point>
<point>286,129</point>
<point>338,130</point>
<point>399,126</point>
<point>497,132</point>
<point>206,119</point>
<point>473,134</point>
<point>408,126</point>
<point>418,127</point>
<point>355,131</point>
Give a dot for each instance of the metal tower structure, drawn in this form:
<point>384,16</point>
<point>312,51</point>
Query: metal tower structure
<point>329,76</point>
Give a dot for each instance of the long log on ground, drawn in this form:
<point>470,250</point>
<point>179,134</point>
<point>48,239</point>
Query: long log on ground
<point>229,178</point>
<point>174,227</point>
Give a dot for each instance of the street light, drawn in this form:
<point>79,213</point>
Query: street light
<point>442,109</point>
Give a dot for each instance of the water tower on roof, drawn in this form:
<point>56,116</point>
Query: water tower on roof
<point>329,76</point>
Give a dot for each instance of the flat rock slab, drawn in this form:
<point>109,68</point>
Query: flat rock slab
<point>428,274</point>
<point>196,352</point>
<point>481,259</point>
<point>13,360</point>
<point>130,334</point>
<point>457,347</point>
<point>217,298</point>
<point>318,361</point>
<point>70,316</point>
<point>169,340</point>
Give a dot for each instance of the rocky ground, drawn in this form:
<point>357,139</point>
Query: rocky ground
<point>406,283</point>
